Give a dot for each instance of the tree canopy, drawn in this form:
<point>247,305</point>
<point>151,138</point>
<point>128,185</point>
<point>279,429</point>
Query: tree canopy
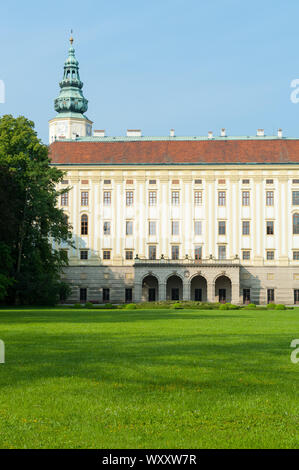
<point>31,225</point>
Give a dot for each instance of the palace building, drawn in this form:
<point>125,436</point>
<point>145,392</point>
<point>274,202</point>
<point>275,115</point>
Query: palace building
<point>213,218</point>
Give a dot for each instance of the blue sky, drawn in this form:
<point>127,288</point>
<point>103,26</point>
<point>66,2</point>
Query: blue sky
<point>191,65</point>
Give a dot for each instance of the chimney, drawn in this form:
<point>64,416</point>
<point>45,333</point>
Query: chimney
<point>260,133</point>
<point>279,133</point>
<point>210,135</point>
<point>133,133</point>
<point>99,133</point>
<point>223,132</point>
<point>172,134</point>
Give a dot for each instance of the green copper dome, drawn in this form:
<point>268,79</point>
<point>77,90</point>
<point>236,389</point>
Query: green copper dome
<point>71,98</point>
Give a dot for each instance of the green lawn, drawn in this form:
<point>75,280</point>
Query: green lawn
<point>149,379</point>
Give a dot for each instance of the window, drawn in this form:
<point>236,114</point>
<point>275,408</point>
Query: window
<point>246,296</point>
<point>175,198</point>
<point>175,227</point>
<point>84,181</point>
<point>270,296</point>
<point>175,250</point>
<point>245,181</point>
<point>296,296</point>
<point>269,198</point>
<point>294,181</point>
<point>221,252</point>
<point>129,227</point>
<point>197,227</point>
<point>129,254</point>
<point>270,255</point>
<point>152,252</point>
<point>84,224</point>
<point>245,198</point>
<point>129,182</point>
<point>107,181</point>
<point>245,227</point>
<point>296,255</point>
<point>152,181</point>
<point>221,198</point>
<point>198,181</point>
<point>67,181</point>
<point>106,254</point>
<point>197,198</point>
<point>65,199</point>
<point>152,227</point>
<point>83,294</point>
<point>83,254</point>
<point>106,294</point>
<point>107,198</point>
<point>84,198</point>
<point>270,227</point>
<point>129,294</point>
<point>152,198</point>
<point>221,181</point>
<point>296,224</point>
<point>175,182</point>
<point>269,181</point>
<point>129,198</point>
<point>246,255</point>
<point>107,228</point>
<point>221,227</point>
<point>197,252</point>
<point>295,198</point>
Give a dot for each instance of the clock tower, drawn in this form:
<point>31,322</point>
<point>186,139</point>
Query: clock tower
<point>70,105</point>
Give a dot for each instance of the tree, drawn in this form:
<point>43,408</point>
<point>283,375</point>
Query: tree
<point>31,225</point>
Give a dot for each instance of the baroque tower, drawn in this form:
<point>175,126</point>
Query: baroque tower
<point>70,105</point>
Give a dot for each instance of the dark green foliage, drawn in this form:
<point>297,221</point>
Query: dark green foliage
<point>250,306</point>
<point>280,307</point>
<point>88,305</point>
<point>228,306</point>
<point>270,306</point>
<point>31,225</point>
<point>130,307</point>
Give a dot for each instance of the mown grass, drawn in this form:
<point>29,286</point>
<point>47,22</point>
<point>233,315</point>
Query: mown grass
<point>148,379</point>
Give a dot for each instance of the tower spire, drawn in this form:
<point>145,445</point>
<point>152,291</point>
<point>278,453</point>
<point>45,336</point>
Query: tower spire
<point>71,99</point>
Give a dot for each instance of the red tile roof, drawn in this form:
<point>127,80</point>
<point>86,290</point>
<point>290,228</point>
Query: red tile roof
<point>175,152</point>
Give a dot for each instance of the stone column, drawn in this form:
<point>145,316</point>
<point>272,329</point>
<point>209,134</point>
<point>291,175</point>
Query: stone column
<point>137,292</point>
<point>211,292</point>
<point>186,290</point>
<point>162,291</point>
<point>235,293</point>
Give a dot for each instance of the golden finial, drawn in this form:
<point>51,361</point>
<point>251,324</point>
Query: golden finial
<point>71,38</point>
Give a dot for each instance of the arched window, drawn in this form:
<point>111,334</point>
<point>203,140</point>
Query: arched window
<point>84,224</point>
<point>68,74</point>
<point>296,224</point>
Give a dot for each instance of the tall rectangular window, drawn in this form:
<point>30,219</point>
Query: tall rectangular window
<point>245,227</point>
<point>107,228</point>
<point>245,198</point>
<point>107,254</point>
<point>152,252</point>
<point>64,199</point>
<point>295,198</point>
<point>221,252</point>
<point>221,227</point>
<point>197,198</point>
<point>270,255</point>
<point>175,198</point>
<point>129,254</point>
<point>269,198</point>
<point>197,227</point>
<point>296,255</point>
<point>175,252</point>
<point>246,254</point>
<point>107,198</point>
<point>129,227</point>
<point>152,198</point>
<point>129,198</point>
<point>270,227</point>
<point>221,198</point>
<point>246,296</point>
<point>84,198</point>
<point>270,296</point>
<point>83,294</point>
<point>128,294</point>
<point>152,227</point>
<point>175,227</point>
<point>198,252</point>
<point>83,254</point>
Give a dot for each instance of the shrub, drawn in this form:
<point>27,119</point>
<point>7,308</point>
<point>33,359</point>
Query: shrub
<point>271,306</point>
<point>88,305</point>
<point>108,306</point>
<point>77,306</point>
<point>224,307</point>
<point>250,306</point>
<point>131,307</point>
<point>280,307</point>
<point>177,305</point>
